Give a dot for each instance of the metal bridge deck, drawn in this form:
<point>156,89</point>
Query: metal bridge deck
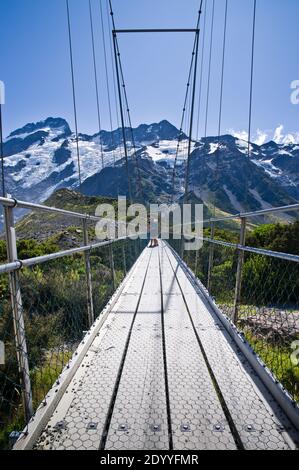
<point>158,371</point>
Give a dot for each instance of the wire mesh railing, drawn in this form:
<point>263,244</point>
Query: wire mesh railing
<point>251,269</point>
<point>52,292</point>
<point>49,299</point>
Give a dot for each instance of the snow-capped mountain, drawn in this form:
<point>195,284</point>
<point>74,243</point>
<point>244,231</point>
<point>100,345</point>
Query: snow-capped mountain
<point>223,174</point>
<point>41,158</point>
<point>281,162</point>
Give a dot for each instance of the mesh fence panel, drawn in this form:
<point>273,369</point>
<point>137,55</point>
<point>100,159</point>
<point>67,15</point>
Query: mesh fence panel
<point>223,276</point>
<point>269,314</point>
<point>54,303</point>
<point>65,231</point>
<point>268,311</point>
<point>198,262</point>
<point>104,280</point>
<point>55,307</point>
<point>11,409</point>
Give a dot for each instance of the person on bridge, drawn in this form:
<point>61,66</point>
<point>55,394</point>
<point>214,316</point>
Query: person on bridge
<point>154,233</point>
<point>154,243</point>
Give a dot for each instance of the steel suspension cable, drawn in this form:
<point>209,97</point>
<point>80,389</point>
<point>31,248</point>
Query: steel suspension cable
<point>2,154</point>
<point>113,69</point>
<point>191,124</point>
<point>73,90</point>
<point>126,103</point>
<point>222,70</point>
<point>251,77</point>
<point>209,70</point>
<point>116,56</point>
<point>221,97</point>
<point>130,122</point>
<point>181,129</point>
<point>96,81</point>
<point>187,126</point>
<point>192,99</point>
<point>187,121</point>
<point>109,18</point>
<point>195,48</point>
<point>195,53</point>
<point>201,68</point>
<point>107,80</point>
<point>251,94</point>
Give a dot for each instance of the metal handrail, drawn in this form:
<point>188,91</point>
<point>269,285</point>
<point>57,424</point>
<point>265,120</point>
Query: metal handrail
<point>14,265</point>
<point>10,267</point>
<point>249,249</point>
<point>247,215</point>
<point>11,202</point>
<point>8,202</point>
<point>18,264</point>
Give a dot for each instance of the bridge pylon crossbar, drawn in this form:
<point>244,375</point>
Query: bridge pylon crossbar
<point>186,30</point>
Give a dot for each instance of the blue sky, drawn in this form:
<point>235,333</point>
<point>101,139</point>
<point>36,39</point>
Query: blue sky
<point>35,64</point>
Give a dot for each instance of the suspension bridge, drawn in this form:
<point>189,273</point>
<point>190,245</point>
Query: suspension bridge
<point>162,366</point>
<point>159,363</point>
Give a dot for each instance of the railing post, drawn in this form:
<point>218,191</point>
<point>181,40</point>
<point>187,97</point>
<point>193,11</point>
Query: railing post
<point>238,289</point>
<point>182,247</point>
<point>196,262</point>
<point>112,266</point>
<point>124,258</point>
<point>136,249</point>
<point>211,257</point>
<point>90,307</point>
<point>18,315</point>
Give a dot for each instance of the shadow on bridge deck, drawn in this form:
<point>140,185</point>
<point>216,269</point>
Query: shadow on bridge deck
<point>158,371</point>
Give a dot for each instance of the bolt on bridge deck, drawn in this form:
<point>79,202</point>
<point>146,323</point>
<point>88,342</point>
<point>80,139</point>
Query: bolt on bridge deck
<point>158,371</point>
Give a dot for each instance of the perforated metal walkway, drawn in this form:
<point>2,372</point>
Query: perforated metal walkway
<point>159,371</point>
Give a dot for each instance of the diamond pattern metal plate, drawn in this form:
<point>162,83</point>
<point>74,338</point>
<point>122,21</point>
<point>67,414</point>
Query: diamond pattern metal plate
<point>88,397</point>
<point>139,420</point>
<point>197,419</point>
<point>152,375</point>
<point>258,419</point>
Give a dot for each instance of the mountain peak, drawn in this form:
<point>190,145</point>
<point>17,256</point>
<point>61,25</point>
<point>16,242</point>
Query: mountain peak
<point>166,123</point>
<point>225,138</point>
<point>49,123</point>
<point>163,130</point>
<point>41,157</point>
<point>270,145</point>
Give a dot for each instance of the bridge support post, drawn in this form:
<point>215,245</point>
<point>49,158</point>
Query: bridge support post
<point>136,249</point>
<point>182,247</point>
<point>18,315</point>
<point>124,258</point>
<point>196,263</point>
<point>211,257</point>
<point>238,288</point>
<point>90,307</point>
<point>112,266</point>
